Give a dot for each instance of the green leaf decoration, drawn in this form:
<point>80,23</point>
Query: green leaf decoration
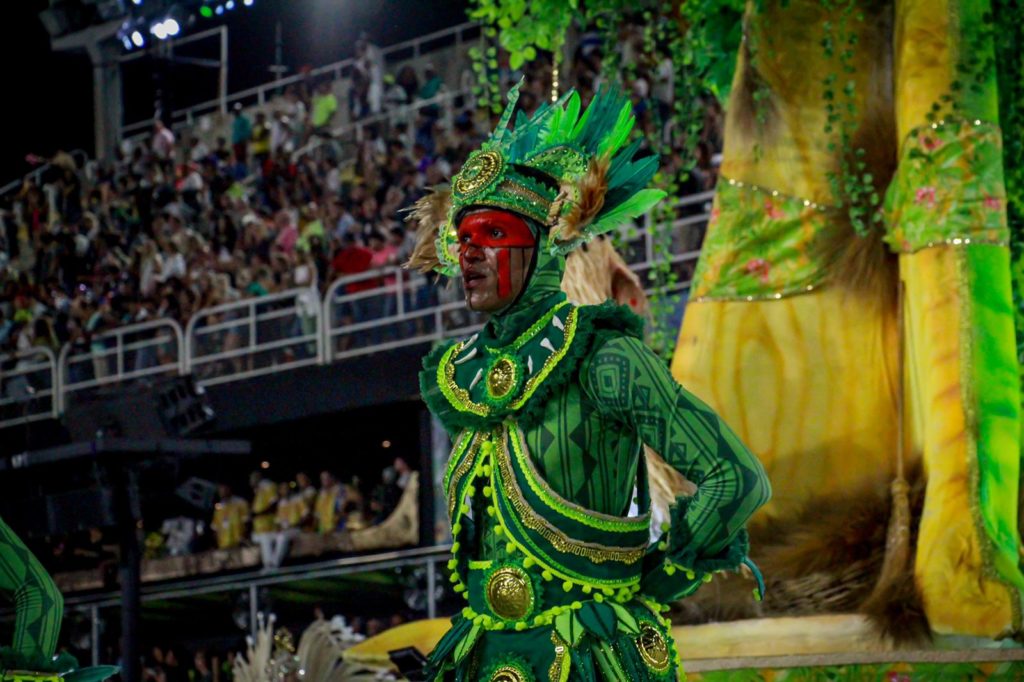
<point>598,619</point>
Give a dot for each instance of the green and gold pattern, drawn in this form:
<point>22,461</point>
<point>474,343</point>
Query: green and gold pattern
<point>762,244</point>
<point>948,188</point>
<point>533,168</point>
<point>548,407</point>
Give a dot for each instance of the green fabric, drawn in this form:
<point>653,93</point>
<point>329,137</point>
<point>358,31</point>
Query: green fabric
<point>948,188</point>
<point>762,244</point>
<point>995,390</point>
<point>38,604</point>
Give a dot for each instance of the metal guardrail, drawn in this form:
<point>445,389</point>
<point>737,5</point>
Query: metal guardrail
<point>35,175</point>
<point>372,311</point>
<point>405,112</point>
<point>255,336</point>
<point>122,354</point>
<point>29,386</point>
<point>260,94</point>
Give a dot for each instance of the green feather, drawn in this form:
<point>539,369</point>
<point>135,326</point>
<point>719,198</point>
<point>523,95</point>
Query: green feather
<point>620,132</point>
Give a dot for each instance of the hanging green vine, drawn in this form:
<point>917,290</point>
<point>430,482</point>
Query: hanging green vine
<point>853,187</point>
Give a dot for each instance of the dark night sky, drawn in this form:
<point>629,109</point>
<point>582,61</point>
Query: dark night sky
<point>49,102</point>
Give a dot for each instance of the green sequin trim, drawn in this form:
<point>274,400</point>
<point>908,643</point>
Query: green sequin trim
<point>575,512</point>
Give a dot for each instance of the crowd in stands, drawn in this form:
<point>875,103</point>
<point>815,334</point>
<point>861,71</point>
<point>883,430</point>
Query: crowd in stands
<point>278,511</point>
<point>176,225</point>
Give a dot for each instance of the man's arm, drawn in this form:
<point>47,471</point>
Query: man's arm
<point>629,383</point>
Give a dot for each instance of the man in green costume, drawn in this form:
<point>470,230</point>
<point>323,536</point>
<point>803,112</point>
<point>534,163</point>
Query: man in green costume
<point>39,609</point>
<point>548,406</point>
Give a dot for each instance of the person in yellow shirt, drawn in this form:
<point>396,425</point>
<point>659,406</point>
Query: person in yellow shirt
<point>329,501</point>
<point>230,516</point>
<point>306,491</point>
<point>264,523</point>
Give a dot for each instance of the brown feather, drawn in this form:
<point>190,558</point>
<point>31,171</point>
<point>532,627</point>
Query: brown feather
<point>429,214</point>
<point>592,188</point>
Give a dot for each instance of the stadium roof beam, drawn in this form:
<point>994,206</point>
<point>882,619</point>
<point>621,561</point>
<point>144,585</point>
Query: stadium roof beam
<point>98,42</point>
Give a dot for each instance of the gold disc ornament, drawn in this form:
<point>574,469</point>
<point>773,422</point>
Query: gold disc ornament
<point>478,173</point>
<point>502,378</point>
<point>510,593</point>
<point>653,648</point>
<point>508,673</point>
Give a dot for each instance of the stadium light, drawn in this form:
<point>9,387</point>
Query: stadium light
<point>219,10</point>
<point>137,39</point>
<point>136,2</point>
<point>127,42</point>
<point>247,3</point>
<point>206,11</point>
<point>172,27</point>
<point>230,4</point>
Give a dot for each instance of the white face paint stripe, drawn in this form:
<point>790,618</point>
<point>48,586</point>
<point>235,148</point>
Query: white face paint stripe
<point>529,364</point>
<point>479,373</point>
<point>558,323</point>
<point>547,345</point>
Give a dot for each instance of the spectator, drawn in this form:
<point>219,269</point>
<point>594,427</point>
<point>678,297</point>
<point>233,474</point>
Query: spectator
<point>241,134</point>
<point>230,516</point>
<point>264,513</point>
<point>330,501</point>
<point>163,142</point>
<point>325,104</point>
<point>260,145</point>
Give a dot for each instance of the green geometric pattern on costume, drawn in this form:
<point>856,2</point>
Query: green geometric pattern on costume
<point>631,386</point>
<point>39,606</point>
<point>761,244</point>
<point>948,188</point>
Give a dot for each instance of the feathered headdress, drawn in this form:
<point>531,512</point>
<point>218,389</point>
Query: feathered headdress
<point>570,172</point>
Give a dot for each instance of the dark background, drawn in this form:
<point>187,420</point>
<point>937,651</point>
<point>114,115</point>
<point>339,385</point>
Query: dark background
<point>48,102</point>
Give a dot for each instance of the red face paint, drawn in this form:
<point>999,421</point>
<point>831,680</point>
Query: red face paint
<point>498,230</point>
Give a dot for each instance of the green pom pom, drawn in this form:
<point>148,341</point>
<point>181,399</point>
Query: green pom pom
<point>567,586</point>
<point>547,575</point>
<point>528,562</point>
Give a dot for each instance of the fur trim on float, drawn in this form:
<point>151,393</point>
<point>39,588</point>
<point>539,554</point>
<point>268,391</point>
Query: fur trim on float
<point>428,214</point>
<point>826,559</point>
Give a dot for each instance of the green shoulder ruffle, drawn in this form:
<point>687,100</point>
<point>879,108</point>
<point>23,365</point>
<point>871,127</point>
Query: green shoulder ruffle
<point>591,322</point>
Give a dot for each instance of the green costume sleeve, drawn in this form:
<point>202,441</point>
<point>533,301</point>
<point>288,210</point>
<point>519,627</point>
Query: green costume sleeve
<point>39,606</point>
<point>629,383</point>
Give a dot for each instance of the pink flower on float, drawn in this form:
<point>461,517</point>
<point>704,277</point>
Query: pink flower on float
<point>715,212</point>
<point>993,203</point>
<point>759,267</point>
<point>930,143</point>
<point>773,211</point>
<point>895,676</point>
<point>925,195</point>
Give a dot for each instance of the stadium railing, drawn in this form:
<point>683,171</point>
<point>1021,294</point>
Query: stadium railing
<point>260,95</point>
<point>364,313</point>
<point>28,386</point>
<point>121,354</point>
<point>255,336</point>
<point>79,155</point>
